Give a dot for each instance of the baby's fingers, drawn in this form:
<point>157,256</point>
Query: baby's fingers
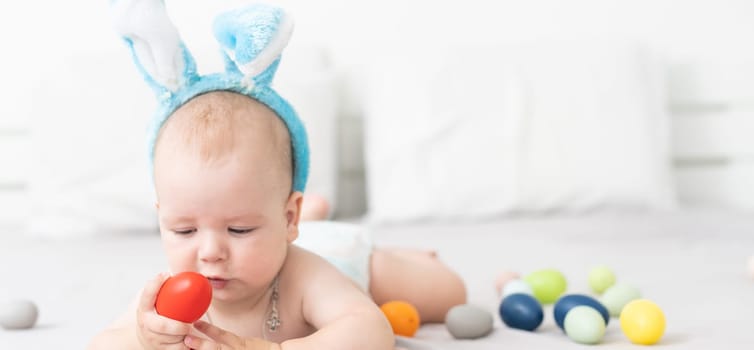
<point>197,343</point>
<point>153,322</point>
<point>157,332</point>
<point>164,326</point>
<point>218,335</point>
<point>222,339</point>
<point>149,294</point>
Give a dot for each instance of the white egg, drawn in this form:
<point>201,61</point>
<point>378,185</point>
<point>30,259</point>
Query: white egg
<point>18,314</point>
<point>516,286</point>
<point>617,296</point>
<point>503,279</point>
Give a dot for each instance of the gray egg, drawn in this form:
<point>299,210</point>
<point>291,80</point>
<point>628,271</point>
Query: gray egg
<point>18,314</point>
<point>468,322</point>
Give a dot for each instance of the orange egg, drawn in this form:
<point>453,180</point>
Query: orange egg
<point>403,317</point>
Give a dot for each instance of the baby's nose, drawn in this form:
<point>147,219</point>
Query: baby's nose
<point>213,248</point>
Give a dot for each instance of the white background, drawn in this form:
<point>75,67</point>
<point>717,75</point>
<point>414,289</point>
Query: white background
<point>715,35</point>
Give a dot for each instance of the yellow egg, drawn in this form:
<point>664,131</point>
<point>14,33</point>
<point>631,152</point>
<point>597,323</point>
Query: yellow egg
<point>642,321</point>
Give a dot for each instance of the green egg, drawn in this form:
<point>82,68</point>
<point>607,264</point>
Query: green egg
<point>584,325</point>
<point>601,278</point>
<point>547,285</point>
<point>617,296</point>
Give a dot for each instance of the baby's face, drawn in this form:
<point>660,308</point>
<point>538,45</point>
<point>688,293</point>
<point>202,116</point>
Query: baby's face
<point>229,218</point>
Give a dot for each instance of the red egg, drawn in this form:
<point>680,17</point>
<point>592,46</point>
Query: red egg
<point>184,297</point>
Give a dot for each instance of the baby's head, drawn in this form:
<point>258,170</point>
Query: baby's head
<point>229,167</point>
<point>223,173</point>
<point>219,143</point>
<point>221,127</point>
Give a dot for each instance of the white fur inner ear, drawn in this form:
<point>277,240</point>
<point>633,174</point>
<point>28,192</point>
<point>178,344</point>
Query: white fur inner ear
<point>164,67</point>
<point>155,39</point>
<point>270,53</point>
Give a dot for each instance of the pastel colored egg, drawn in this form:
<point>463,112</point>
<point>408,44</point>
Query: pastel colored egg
<point>601,278</point>
<point>643,322</point>
<point>18,314</point>
<point>521,311</point>
<point>468,322</point>
<point>503,279</point>
<point>547,285</point>
<point>515,287</point>
<point>585,325</point>
<point>566,303</point>
<point>617,296</point>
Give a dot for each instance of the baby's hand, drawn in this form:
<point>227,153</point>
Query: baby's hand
<point>222,339</point>
<point>155,331</point>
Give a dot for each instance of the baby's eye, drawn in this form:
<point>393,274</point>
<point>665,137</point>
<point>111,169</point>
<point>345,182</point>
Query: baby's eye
<point>184,231</point>
<point>240,230</point>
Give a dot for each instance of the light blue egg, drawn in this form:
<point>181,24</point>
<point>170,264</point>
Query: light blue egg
<point>584,325</point>
<point>516,286</point>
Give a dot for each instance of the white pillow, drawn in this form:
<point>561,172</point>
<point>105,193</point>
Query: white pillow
<point>469,132</point>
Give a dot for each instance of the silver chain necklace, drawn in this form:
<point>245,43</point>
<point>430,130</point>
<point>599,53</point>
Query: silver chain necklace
<point>273,321</point>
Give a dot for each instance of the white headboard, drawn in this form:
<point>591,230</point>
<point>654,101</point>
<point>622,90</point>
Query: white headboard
<point>712,105</point>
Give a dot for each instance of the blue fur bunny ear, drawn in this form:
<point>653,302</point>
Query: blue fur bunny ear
<point>157,49</point>
<point>252,39</point>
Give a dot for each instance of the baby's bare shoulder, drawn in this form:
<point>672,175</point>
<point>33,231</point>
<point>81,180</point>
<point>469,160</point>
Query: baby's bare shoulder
<point>312,273</point>
<point>304,265</point>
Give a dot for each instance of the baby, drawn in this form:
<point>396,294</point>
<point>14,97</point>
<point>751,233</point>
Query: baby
<point>222,173</point>
<point>229,171</point>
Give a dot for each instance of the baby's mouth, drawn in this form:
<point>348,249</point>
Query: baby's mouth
<point>217,283</point>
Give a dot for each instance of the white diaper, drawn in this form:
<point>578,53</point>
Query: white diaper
<point>347,246</point>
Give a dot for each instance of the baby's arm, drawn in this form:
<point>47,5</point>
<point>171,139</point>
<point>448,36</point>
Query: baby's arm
<point>141,327</point>
<point>119,335</point>
<point>346,318</point>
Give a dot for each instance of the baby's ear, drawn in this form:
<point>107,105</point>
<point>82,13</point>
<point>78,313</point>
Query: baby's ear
<point>157,49</point>
<point>293,215</point>
<point>252,40</point>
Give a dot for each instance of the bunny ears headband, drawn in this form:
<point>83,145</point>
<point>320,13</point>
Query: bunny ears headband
<point>252,40</point>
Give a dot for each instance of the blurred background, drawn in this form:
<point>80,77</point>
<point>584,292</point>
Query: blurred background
<point>505,134</point>
<point>417,110</point>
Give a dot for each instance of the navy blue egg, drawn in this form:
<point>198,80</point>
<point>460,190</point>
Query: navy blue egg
<point>568,302</point>
<point>521,311</point>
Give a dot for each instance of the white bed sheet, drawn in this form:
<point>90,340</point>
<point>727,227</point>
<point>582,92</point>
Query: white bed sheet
<point>693,264</point>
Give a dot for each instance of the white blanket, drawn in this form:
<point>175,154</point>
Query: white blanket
<point>693,265</point>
